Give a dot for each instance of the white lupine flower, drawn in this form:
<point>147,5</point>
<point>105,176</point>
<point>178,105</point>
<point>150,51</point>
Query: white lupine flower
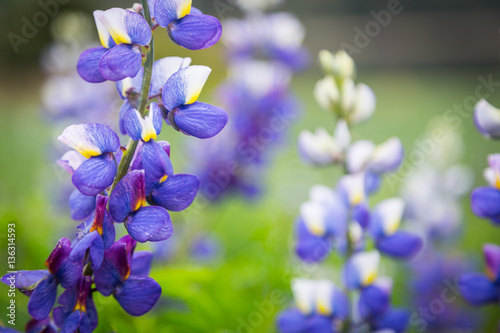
<point>340,64</point>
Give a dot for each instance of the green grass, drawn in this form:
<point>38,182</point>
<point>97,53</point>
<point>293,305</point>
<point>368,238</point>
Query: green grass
<point>254,274</point>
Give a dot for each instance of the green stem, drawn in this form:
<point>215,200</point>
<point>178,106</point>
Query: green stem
<point>128,154</point>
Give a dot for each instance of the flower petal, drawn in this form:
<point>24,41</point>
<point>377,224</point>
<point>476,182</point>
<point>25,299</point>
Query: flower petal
<point>387,156</point>
<point>176,193</point>
<point>88,65</point>
<point>90,139</point>
<point>128,196</point>
<point>25,281</point>
<point>43,298</point>
<point>401,245</point>
<point>195,32</point>
<point>492,258</point>
<point>185,86</point>
<point>292,321</point>
<point>200,120</point>
<point>386,217</point>
<point>146,222</point>
<point>487,119</point>
<point>393,319</point>
<point>141,263</point>
<point>478,289</point>
<point>163,69</point>
<point>120,62</point>
<point>310,248</point>
<point>114,269</point>
<point>130,83</point>
<point>156,162</point>
<point>166,11</point>
<point>373,302</point>
<point>137,28</point>
<point>138,294</point>
<point>95,174</point>
<point>485,202</point>
<point>81,206</point>
<point>362,269</point>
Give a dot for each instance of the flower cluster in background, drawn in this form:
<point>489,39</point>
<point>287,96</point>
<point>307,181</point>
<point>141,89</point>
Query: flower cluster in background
<point>263,52</point>
<point>134,184</point>
<point>477,288</point>
<point>340,222</point>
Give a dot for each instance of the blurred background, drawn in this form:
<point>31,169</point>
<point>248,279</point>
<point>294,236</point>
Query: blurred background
<point>429,59</point>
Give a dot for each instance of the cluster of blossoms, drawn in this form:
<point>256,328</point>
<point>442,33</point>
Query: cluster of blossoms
<point>263,51</point>
<point>133,184</point>
<point>477,288</point>
<point>434,192</point>
<point>341,219</point>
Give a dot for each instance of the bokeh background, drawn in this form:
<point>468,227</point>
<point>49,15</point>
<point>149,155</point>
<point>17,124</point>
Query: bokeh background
<point>424,63</point>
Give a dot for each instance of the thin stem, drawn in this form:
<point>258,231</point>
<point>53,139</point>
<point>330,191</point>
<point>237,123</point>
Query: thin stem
<point>129,153</point>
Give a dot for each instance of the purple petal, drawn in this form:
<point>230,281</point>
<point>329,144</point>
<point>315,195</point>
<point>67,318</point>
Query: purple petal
<point>492,257</point>
<point>176,193</point>
<point>69,273</point>
<point>310,248</point>
<point>60,253</point>
<point>25,281</point>
<point>146,222</point>
<point>132,124</point>
<point>141,263</point>
<point>79,250</point>
<point>126,85</point>
<point>121,62</point>
<point>195,32</point>
<point>394,319</point>
<point>401,245</point>
<point>166,11</point>
<point>95,174</point>
<point>200,120</point>
<point>184,86</point>
<point>156,162</point>
<point>164,233</point>
<point>138,294</point>
<point>163,69</point>
<point>78,321</point>
<point>88,65</point>
<point>90,139</point>
<point>373,302</point>
<point>128,196</point>
<point>137,28</point>
<point>43,298</point>
<point>478,289</point>
<point>114,269</point>
<point>292,321</point>
<point>108,233</point>
<point>81,206</point>
<point>485,202</point>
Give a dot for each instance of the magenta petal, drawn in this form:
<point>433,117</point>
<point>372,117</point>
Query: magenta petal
<point>195,32</point>
<point>120,62</point>
<point>88,65</point>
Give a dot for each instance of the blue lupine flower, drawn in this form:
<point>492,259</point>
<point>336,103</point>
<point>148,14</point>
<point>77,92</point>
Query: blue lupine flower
<point>184,113</point>
<point>122,33</point>
<point>322,221</point>
<point>321,307</point>
<point>145,129</point>
<point>97,143</point>
<point>97,234</point>
<point>124,278</point>
<point>481,289</point>
<point>485,200</point>
<point>384,225</point>
<point>81,206</point>
<point>187,26</point>
<point>362,269</point>
<point>41,286</point>
<point>76,311</point>
<point>127,204</point>
<point>487,119</point>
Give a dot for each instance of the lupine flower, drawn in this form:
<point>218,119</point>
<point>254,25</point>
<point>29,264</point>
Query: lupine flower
<point>187,26</point>
<point>320,148</point>
<point>485,200</point>
<point>184,113</point>
<point>122,33</point>
<point>125,278</point>
<point>145,129</point>
<point>364,156</point>
<point>127,204</point>
<point>384,223</point>
<point>487,119</point>
<point>481,289</point>
<point>340,64</point>
<point>97,234</point>
<point>322,222</point>
<point>362,269</point>
<point>41,286</point>
<point>320,307</point>
<point>97,143</point>
<point>275,37</point>
<point>76,311</point>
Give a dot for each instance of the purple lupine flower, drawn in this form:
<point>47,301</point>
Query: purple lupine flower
<point>76,311</point>
<point>122,33</point>
<point>487,119</point>
<point>320,307</point>
<point>41,286</point>
<point>485,200</point>
<point>384,225</point>
<point>97,234</point>
<point>361,270</point>
<point>481,289</point>
<point>183,112</point>
<point>187,26</point>
<point>97,143</point>
<point>124,278</point>
<point>127,204</point>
